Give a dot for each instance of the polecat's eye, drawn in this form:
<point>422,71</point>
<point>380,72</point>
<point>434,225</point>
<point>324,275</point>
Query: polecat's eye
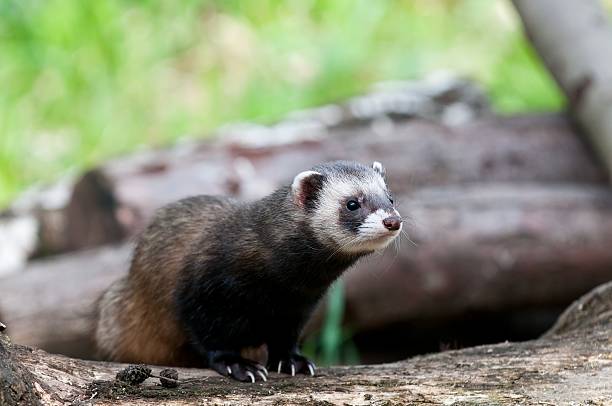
<point>391,200</point>
<point>352,205</point>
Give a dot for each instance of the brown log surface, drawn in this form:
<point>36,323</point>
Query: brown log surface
<point>572,366</point>
<point>488,247</point>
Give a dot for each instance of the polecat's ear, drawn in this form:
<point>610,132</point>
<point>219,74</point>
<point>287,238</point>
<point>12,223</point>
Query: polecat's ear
<point>377,166</point>
<point>305,187</point>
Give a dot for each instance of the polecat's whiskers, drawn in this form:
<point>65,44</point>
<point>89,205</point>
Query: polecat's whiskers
<point>405,234</point>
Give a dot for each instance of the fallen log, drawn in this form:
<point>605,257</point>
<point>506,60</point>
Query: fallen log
<point>487,248</point>
<point>116,199</point>
<point>431,132</point>
<point>493,247</point>
<point>568,366</point>
<point>113,201</point>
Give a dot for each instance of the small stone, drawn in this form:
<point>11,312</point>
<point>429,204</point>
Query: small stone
<point>172,374</point>
<point>134,374</point>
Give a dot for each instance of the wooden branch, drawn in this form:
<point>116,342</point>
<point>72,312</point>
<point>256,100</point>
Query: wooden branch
<point>493,247</point>
<point>573,366</point>
<point>575,45</point>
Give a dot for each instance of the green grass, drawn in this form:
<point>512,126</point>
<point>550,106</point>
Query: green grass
<point>333,344</point>
<point>83,81</point>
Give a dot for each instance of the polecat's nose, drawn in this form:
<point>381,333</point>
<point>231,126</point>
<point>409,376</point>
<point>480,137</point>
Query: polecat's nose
<point>392,223</point>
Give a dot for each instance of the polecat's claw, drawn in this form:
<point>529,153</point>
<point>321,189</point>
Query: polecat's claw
<point>295,363</point>
<point>230,363</point>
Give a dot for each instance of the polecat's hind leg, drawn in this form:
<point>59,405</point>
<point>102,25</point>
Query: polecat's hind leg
<point>232,364</point>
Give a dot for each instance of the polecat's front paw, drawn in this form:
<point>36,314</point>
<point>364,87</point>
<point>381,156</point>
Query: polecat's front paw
<point>295,363</point>
<point>231,364</point>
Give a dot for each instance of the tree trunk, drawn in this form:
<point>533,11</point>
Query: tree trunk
<point>574,39</point>
<point>494,247</point>
<point>570,365</point>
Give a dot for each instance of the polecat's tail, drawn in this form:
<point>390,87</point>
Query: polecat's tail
<point>107,327</point>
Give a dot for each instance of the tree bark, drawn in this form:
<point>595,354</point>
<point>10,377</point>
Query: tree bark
<point>571,365</point>
<point>573,37</point>
<point>493,247</point>
<point>17,385</point>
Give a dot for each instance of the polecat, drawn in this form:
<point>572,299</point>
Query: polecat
<point>229,286</point>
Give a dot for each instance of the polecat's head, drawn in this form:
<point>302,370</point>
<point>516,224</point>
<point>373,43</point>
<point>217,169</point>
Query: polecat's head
<point>349,205</point>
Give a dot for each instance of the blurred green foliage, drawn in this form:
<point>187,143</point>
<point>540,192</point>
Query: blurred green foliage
<point>86,80</point>
<point>333,345</point>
